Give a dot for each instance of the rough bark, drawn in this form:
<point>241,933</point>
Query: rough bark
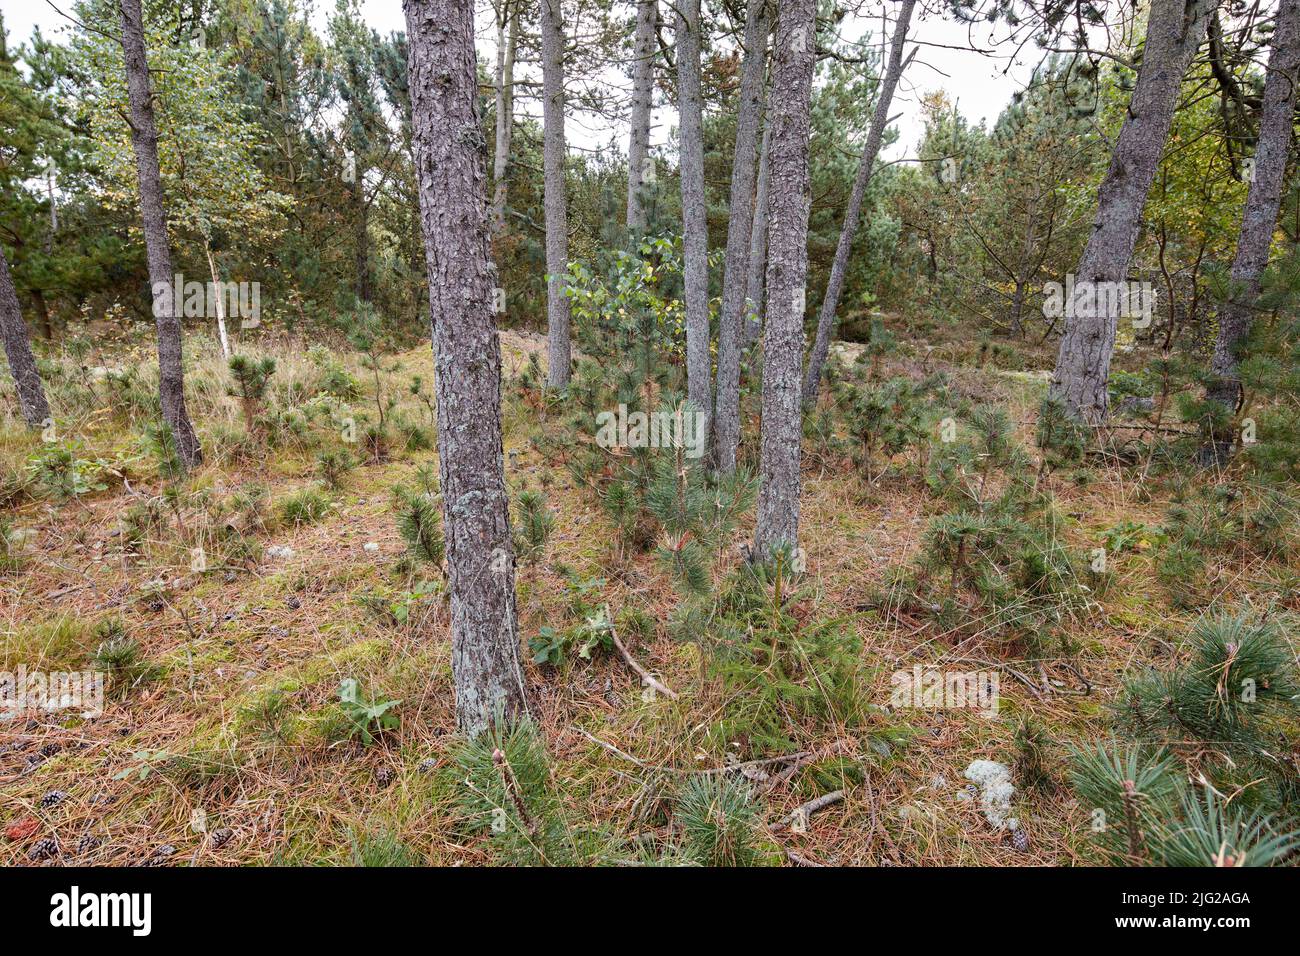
<point>787,274</point>
<point>144,139</point>
<point>554,201</point>
<point>507,43</point>
<point>1175,29</point>
<point>18,349</point>
<point>753,326</point>
<point>726,414</point>
<point>1259,220</point>
<point>853,214</point>
<point>644,48</point>
<point>450,158</point>
<point>695,228</point>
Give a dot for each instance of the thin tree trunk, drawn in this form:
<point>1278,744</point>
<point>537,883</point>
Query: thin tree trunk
<point>450,157</point>
<point>18,349</point>
<point>852,215</point>
<point>1175,29</point>
<point>695,226</point>
<point>787,275</point>
<point>144,138</point>
<point>758,246</point>
<point>507,42</point>
<point>220,303</point>
<point>362,248</point>
<point>557,220</point>
<point>1259,220</point>
<point>644,48</point>
<point>726,417</point>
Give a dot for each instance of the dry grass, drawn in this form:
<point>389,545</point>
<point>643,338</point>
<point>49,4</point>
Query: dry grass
<point>232,644</point>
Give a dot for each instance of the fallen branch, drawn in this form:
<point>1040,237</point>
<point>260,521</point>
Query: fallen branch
<point>805,811</point>
<point>645,675</point>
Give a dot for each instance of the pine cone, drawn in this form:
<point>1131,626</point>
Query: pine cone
<point>220,838</point>
<point>53,799</point>
<point>45,849</point>
<point>88,844</point>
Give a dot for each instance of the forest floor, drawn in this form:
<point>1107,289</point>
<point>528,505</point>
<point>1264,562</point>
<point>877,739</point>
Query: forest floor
<point>226,751</point>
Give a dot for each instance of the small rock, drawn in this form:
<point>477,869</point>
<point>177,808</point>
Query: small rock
<point>370,546</point>
<point>280,552</point>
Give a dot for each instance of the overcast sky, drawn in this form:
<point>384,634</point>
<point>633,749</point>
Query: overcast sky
<point>980,84</point>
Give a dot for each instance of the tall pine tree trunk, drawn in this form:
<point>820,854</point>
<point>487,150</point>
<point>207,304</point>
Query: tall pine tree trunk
<point>1175,29</point>
<point>450,158</point>
<point>787,275</point>
<point>840,266</point>
<point>643,84</point>
<point>726,416</point>
<point>555,203</point>
<point>18,349</point>
<point>144,137</point>
<point>1258,221</point>
<point>758,247</point>
<point>507,42</point>
<point>695,227</point>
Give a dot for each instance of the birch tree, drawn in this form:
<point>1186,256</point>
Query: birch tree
<point>644,49</point>
<point>853,214</point>
<point>554,202</point>
<point>18,350</point>
<point>144,138</point>
<point>726,416</point>
<point>787,275</point>
<point>695,229</point>
<point>508,15</point>
<point>450,169</point>
<point>1175,29</point>
<point>1258,221</point>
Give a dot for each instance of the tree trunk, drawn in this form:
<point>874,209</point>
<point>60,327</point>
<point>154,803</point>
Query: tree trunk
<point>220,302</point>
<point>644,48</point>
<point>18,349</point>
<point>758,246</point>
<point>787,275</point>
<point>695,226</point>
<point>365,292</point>
<point>557,220</point>
<point>840,266</point>
<point>450,157</point>
<point>507,42</point>
<point>726,417</point>
<point>1258,221</point>
<point>1175,29</point>
<point>144,138</point>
